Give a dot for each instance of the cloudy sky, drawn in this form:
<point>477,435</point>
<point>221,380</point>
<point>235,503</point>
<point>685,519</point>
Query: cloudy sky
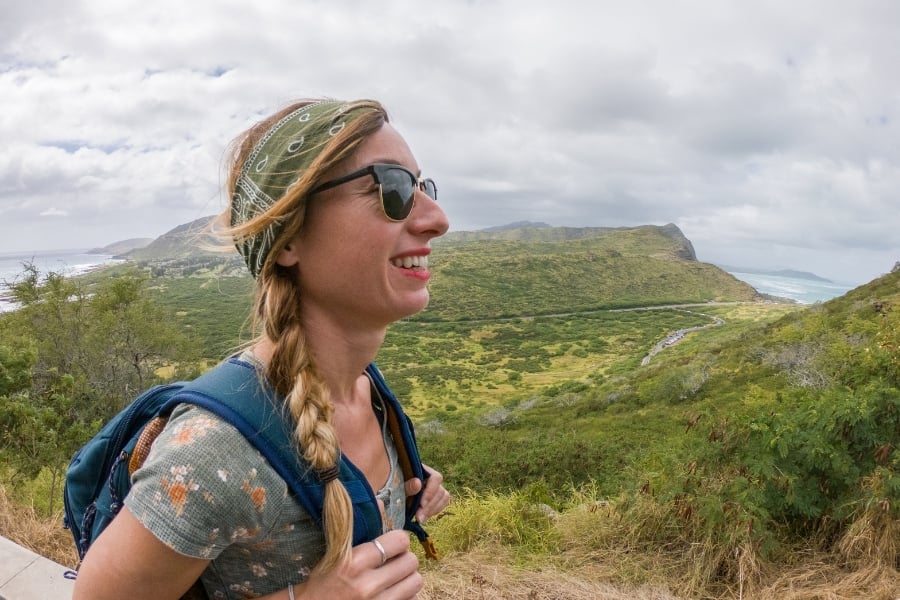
<point>768,131</point>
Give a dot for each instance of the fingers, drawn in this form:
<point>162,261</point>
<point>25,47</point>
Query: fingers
<point>382,569</point>
<point>405,588</point>
<point>380,548</point>
<point>413,486</point>
<point>438,501</point>
<point>435,497</point>
<point>401,569</point>
<point>385,547</point>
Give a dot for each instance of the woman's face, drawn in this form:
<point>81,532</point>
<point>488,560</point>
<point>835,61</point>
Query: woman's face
<point>353,263</point>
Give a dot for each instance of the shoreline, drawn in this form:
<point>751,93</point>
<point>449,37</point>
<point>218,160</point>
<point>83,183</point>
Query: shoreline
<point>7,304</point>
<point>801,291</point>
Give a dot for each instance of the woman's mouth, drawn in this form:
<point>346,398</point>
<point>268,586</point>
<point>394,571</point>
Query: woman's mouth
<point>411,262</point>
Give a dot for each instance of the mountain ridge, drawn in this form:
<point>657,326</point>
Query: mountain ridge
<point>122,247</point>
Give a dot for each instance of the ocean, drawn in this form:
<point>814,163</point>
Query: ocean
<point>804,291</point>
<point>66,262</point>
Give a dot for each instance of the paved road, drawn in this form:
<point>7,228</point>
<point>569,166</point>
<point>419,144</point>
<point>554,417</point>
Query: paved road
<point>677,336</point>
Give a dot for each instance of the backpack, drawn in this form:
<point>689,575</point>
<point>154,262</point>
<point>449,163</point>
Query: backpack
<point>99,476</point>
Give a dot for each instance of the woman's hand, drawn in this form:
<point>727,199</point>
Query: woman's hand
<point>370,574</point>
<point>435,498</point>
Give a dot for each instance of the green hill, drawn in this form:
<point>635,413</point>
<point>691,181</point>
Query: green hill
<point>122,247</point>
<point>187,240</point>
<point>476,275</point>
<point>534,271</point>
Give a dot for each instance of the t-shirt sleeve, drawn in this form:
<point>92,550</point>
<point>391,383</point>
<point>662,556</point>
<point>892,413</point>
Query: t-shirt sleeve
<point>204,486</point>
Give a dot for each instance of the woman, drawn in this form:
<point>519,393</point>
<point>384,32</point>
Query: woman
<point>334,222</point>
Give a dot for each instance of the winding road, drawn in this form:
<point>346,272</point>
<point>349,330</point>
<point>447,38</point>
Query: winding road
<point>677,336</point>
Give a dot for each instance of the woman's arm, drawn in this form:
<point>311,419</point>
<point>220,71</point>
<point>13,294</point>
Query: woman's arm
<point>127,561</point>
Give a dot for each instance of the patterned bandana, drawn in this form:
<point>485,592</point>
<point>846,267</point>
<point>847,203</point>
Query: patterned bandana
<point>277,162</point>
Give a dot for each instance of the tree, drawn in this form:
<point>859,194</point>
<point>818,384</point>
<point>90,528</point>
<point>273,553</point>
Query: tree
<point>37,431</point>
<point>132,337</point>
<point>109,337</point>
<point>51,314</point>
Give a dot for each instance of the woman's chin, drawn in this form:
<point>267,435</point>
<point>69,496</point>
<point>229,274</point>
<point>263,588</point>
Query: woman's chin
<point>415,305</point>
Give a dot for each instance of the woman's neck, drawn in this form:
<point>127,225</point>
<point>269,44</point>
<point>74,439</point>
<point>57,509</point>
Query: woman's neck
<point>340,356</point>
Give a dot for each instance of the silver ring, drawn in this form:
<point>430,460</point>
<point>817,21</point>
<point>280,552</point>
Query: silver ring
<point>380,549</point>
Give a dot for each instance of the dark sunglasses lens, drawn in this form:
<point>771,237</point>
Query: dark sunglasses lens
<point>396,193</point>
<point>430,189</point>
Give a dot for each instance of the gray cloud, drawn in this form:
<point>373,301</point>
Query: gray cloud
<point>766,132</point>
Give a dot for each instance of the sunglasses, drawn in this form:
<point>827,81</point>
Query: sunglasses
<point>396,188</point>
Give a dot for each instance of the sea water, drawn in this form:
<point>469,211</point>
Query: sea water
<point>63,262</point>
<point>804,291</point>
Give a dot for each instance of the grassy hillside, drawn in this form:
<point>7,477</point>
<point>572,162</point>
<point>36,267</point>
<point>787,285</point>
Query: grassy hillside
<point>551,270</point>
<point>609,405</point>
<point>185,241</point>
<point>741,450</point>
<point>476,276</point>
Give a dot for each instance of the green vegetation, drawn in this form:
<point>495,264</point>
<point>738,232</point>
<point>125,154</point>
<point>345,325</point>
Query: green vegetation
<point>490,278</point>
<point>70,358</point>
<point>753,442</point>
<point>727,459</point>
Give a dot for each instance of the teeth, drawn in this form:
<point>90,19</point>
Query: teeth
<point>411,262</point>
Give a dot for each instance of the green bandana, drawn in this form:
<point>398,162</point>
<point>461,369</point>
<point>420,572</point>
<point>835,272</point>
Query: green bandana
<point>277,162</point>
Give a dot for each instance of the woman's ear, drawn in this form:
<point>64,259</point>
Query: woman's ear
<point>288,256</point>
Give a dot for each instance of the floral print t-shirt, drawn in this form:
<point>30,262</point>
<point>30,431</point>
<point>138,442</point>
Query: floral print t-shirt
<point>206,492</point>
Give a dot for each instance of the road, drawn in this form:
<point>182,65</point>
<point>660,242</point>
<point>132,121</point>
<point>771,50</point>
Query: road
<point>677,336</point>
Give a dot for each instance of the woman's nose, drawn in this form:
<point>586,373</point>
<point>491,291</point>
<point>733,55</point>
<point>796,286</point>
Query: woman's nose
<point>427,216</point>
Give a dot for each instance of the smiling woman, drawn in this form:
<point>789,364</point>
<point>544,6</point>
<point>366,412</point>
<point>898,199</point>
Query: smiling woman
<point>335,222</point>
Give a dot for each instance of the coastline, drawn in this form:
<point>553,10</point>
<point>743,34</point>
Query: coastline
<point>69,263</point>
<point>799,289</point>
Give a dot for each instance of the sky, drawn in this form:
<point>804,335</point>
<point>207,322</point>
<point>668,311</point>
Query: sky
<point>767,131</point>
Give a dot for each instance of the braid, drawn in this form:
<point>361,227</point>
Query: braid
<point>294,376</point>
<point>291,370</point>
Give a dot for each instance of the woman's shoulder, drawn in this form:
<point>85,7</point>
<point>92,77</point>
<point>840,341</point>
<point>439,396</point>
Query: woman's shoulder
<point>203,452</point>
<point>194,431</point>
<point>204,487</point>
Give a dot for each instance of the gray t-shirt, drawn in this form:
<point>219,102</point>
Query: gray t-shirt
<point>206,492</point>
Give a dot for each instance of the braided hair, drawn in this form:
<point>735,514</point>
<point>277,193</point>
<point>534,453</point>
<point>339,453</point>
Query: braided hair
<point>277,315</point>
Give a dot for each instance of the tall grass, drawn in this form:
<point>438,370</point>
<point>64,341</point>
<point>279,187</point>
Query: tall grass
<point>31,528</point>
<point>513,545</point>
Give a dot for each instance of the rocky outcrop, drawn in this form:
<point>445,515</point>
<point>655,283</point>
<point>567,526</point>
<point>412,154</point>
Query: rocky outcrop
<point>687,248</point>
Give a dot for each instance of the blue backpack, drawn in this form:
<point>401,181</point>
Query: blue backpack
<point>99,475</point>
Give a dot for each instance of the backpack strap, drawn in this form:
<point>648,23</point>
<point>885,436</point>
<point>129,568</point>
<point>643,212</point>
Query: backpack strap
<point>404,437</point>
<point>234,391</point>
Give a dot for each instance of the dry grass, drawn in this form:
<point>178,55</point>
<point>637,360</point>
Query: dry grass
<point>592,554</point>
<point>44,535</point>
<point>491,575</point>
<point>827,581</point>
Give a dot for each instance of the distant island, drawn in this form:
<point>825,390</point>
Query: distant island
<point>777,272</point>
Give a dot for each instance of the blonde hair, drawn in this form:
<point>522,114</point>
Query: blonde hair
<point>276,315</point>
